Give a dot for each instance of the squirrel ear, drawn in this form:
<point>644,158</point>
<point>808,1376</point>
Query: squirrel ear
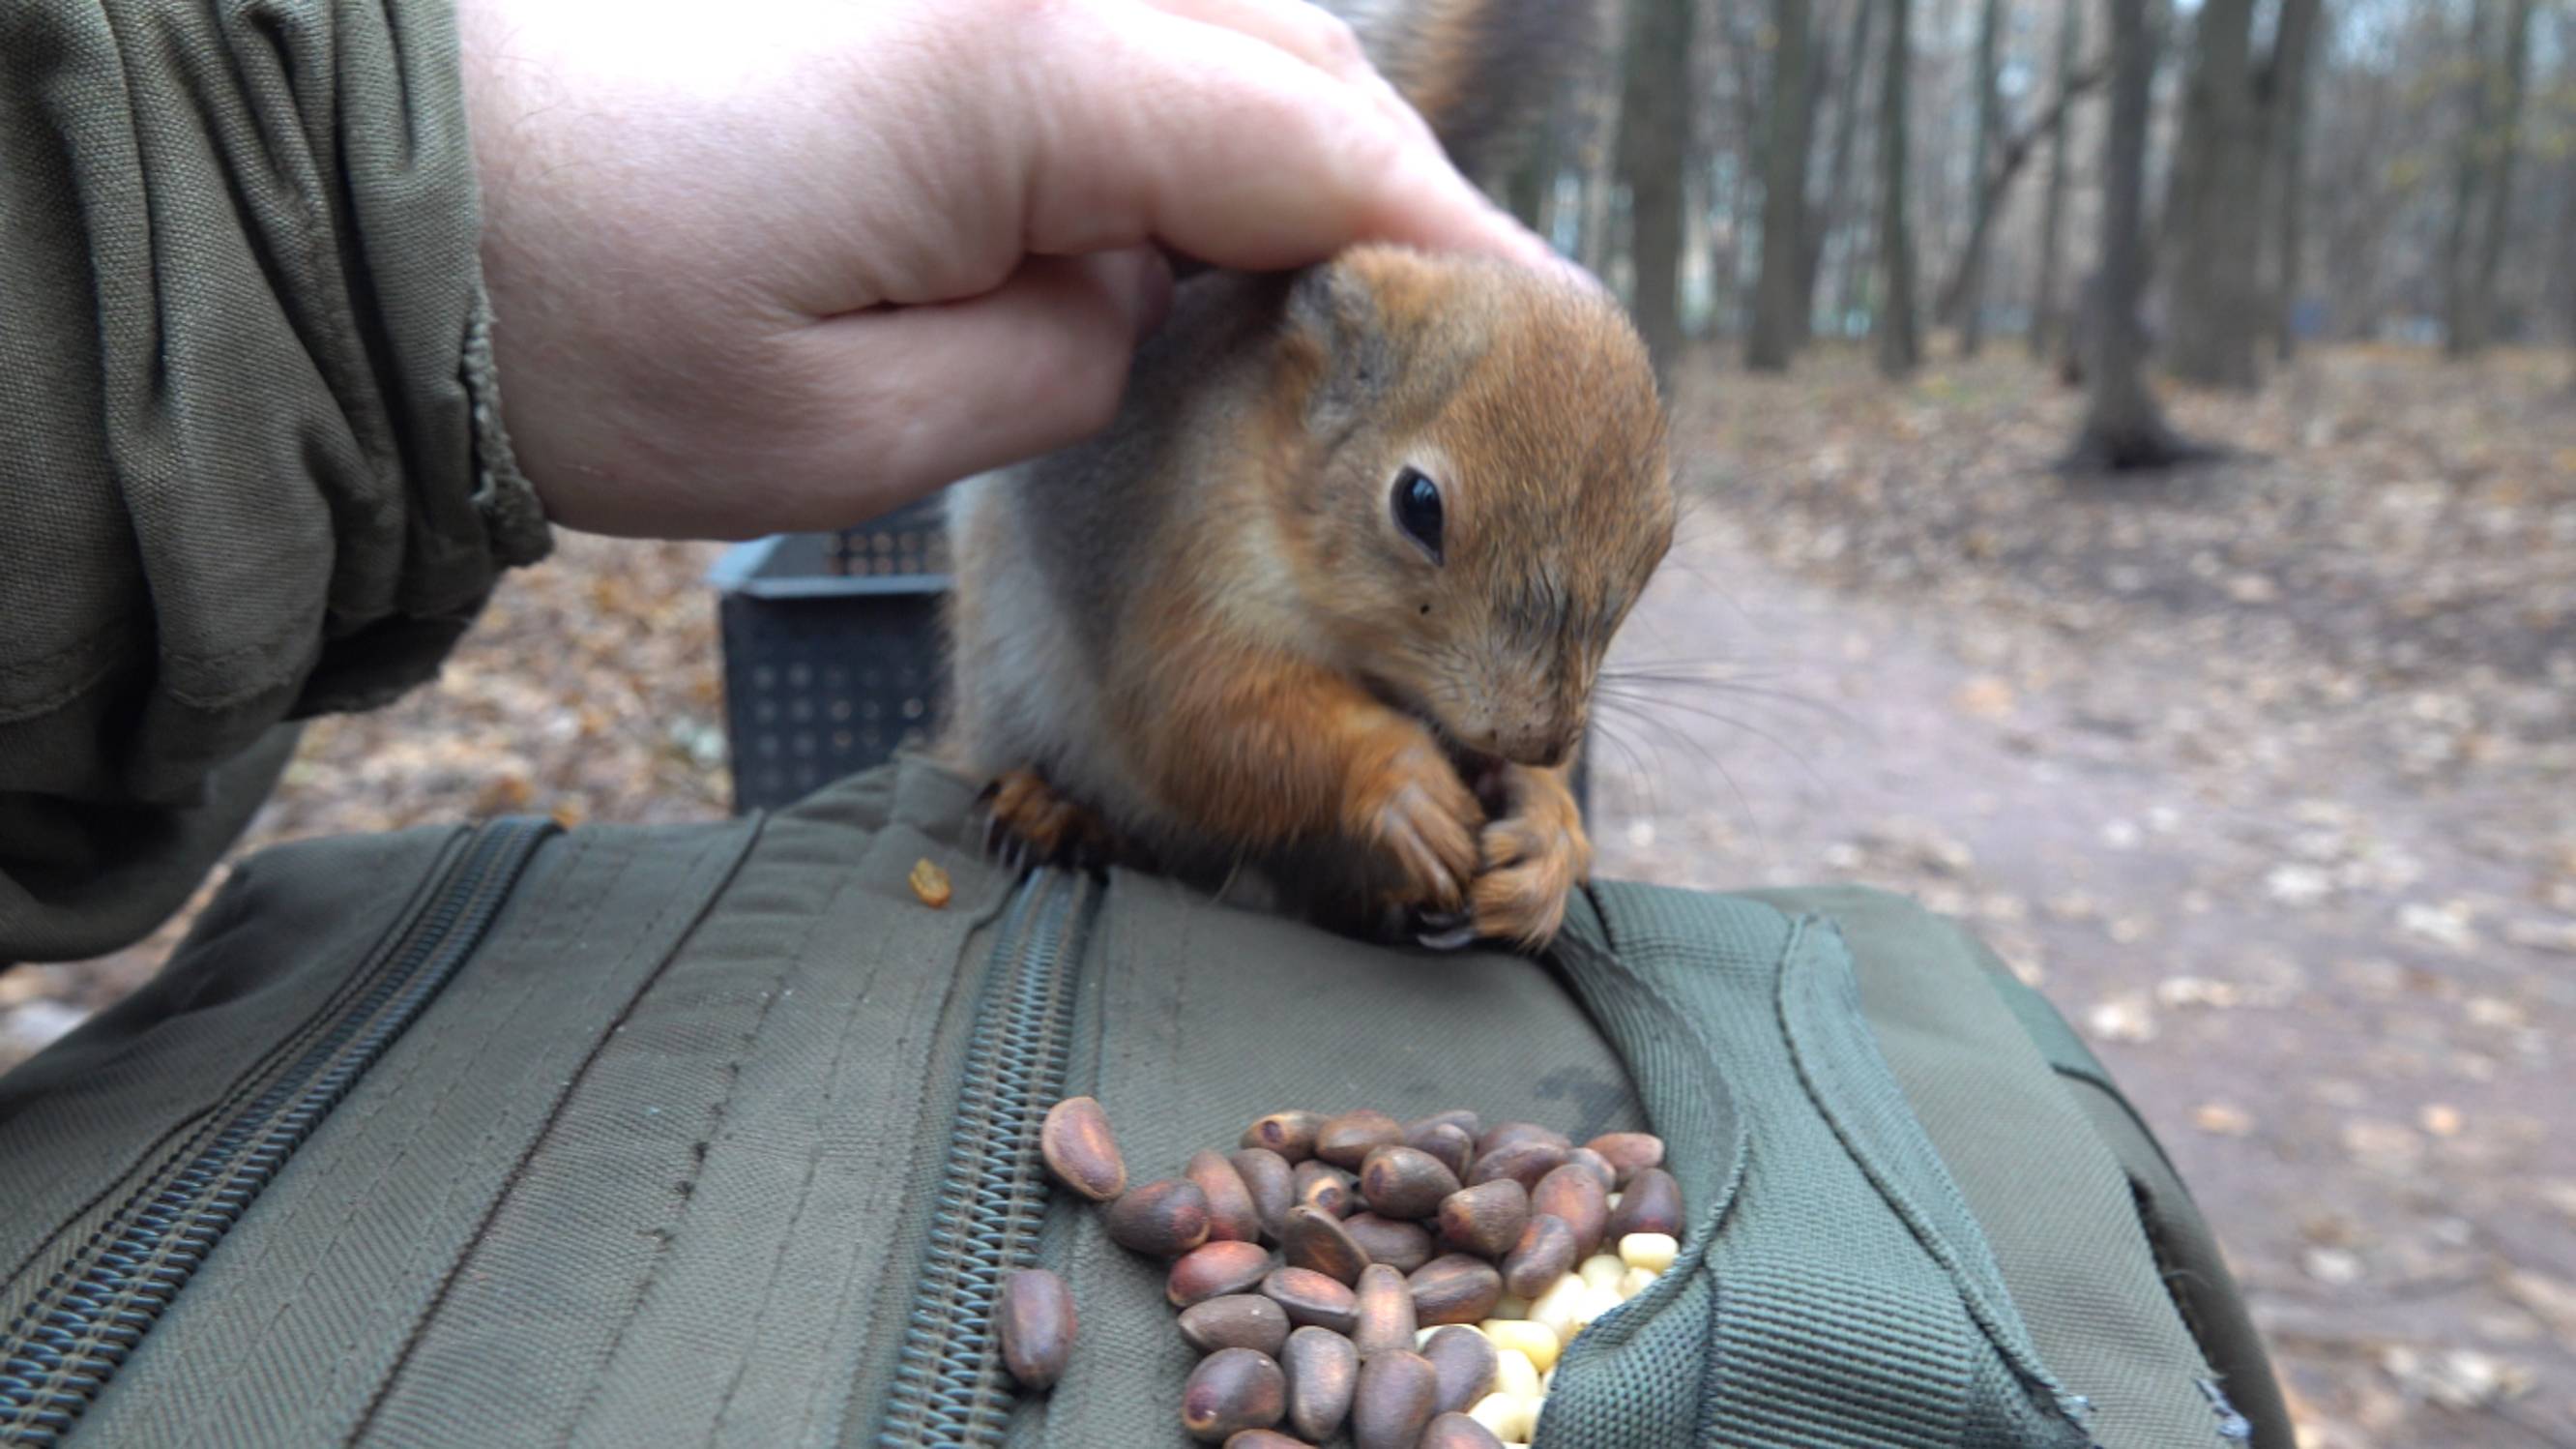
<point>1333,322</point>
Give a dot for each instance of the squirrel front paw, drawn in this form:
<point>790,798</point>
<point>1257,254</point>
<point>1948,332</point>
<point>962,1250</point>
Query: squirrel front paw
<point>1029,821</point>
<point>1413,809</point>
<point>1534,857</point>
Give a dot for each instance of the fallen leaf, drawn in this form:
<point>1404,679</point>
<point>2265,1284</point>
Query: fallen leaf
<point>2221,1119</point>
<point>2122,1018</point>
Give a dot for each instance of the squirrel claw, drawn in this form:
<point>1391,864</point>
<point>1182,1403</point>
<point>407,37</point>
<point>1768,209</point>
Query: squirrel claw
<point>1033,824</point>
<point>1444,930</point>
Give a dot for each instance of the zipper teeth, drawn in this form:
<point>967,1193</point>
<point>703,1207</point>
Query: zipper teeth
<point>58,1353</point>
<point>948,1389</point>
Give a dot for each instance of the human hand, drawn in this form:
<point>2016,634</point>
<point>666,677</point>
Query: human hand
<point>786,264</point>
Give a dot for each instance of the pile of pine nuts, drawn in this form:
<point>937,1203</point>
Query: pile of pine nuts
<point>1427,1274</point>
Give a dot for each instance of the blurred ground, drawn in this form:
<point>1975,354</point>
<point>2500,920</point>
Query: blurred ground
<point>2266,772</point>
<point>2262,770</point>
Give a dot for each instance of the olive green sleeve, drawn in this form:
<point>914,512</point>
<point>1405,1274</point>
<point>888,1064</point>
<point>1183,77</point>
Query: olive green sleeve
<point>251,468</point>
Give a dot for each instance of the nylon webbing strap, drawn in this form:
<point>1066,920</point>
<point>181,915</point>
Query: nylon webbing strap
<point>1806,1309</point>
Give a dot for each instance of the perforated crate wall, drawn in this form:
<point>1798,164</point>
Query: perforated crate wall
<point>827,673</point>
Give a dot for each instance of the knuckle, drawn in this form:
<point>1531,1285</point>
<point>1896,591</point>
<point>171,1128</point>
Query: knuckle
<point>1338,42</point>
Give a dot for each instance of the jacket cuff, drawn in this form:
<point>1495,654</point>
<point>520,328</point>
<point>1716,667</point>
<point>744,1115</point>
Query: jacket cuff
<point>504,499</point>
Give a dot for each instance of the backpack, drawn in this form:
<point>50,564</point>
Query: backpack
<point>503,1134</point>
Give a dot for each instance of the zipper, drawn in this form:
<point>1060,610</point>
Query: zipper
<point>59,1351</point>
<point>949,1390</point>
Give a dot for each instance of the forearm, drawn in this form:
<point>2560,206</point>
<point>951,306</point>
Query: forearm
<point>252,467</point>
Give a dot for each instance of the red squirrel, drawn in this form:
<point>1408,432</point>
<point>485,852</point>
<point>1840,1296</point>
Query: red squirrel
<point>1326,602</point>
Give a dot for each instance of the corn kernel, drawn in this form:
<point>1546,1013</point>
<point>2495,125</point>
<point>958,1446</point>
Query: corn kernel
<point>1506,1416</point>
<point>1636,1281</point>
<point>1563,1308</point>
<point>1652,1251</point>
<point>1511,1305</point>
<point>1577,1306</point>
<point>1601,1301</point>
<point>1537,1341</point>
<point>1602,1270</point>
<point>1514,1373</point>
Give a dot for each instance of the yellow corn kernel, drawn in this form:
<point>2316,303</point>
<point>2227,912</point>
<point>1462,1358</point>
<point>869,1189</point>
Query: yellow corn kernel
<point>1506,1416</point>
<point>1538,1342</point>
<point>1563,1308</point>
<point>1651,1251</point>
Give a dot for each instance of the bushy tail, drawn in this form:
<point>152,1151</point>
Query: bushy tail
<point>1480,71</point>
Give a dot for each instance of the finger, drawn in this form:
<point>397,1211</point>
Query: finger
<point>908,400</point>
<point>1303,29</point>
<point>1216,145</point>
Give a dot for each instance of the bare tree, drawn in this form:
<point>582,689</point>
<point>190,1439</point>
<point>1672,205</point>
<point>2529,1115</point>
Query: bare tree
<point>2045,313</point>
<point>1900,346</point>
<point>1826,219</point>
<point>2487,150</point>
<point>1778,298</point>
<point>1654,135</point>
<point>2010,154</point>
<point>2209,212</point>
<point>1967,306</point>
<point>2292,62</point>
<point>2123,428</point>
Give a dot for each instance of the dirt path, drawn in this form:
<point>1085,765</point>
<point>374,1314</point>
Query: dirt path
<point>2287,961</point>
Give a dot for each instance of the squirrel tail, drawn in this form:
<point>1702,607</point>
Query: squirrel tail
<point>1480,71</point>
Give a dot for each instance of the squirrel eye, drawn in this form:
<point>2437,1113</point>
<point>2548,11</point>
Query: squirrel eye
<point>1417,510</point>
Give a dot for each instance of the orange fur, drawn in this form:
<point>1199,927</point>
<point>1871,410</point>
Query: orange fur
<point>1280,678</point>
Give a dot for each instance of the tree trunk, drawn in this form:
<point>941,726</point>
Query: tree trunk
<point>2045,316</point>
<point>1900,348</point>
<point>1778,298</point>
<point>2213,214</point>
<point>1596,126</point>
<point>2567,260</point>
<point>2123,427</point>
<point>1654,131</point>
<point>2467,182</point>
<point>1825,221</point>
<point>1969,310</point>
<point>2475,325</point>
<point>2292,66</point>
<point>1533,174</point>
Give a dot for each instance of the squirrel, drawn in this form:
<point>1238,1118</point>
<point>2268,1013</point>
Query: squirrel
<point>1326,601</point>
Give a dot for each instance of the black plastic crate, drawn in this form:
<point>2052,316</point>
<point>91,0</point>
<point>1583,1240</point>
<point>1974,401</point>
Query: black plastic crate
<point>833,658</point>
<point>832,654</point>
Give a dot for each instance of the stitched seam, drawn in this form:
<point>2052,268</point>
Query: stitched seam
<point>545,1128</point>
<point>1805,1059</point>
<point>718,1111</point>
<point>813,1158</point>
<point>359,1201</point>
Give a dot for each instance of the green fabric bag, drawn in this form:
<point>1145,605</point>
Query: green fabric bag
<point>717,1134</point>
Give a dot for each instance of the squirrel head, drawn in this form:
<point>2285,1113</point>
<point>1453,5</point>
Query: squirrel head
<point>1474,487</point>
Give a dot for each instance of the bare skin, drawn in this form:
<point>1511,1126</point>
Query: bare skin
<point>794,270</point>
